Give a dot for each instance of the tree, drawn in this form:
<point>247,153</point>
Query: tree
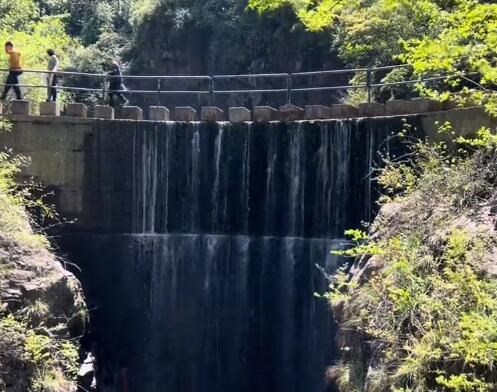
<point>437,37</point>
<point>22,23</point>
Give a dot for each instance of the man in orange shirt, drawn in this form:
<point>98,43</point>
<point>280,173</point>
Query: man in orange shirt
<point>15,70</point>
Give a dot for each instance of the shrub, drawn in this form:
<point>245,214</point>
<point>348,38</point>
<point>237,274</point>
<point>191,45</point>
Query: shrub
<point>428,314</point>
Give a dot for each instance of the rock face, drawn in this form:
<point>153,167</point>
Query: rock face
<point>29,276</point>
<point>41,308</point>
<point>198,47</point>
<point>362,352</point>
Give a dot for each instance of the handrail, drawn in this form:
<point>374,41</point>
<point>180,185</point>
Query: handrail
<point>212,91</point>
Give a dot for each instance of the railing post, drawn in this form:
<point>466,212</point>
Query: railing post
<point>104,81</point>
<point>158,91</point>
<point>211,90</point>
<point>368,82</point>
<point>289,88</point>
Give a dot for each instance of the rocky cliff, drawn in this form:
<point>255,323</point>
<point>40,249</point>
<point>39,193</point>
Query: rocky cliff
<point>42,308</point>
<point>417,308</point>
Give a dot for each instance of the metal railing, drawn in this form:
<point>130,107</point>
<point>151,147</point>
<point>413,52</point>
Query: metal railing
<point>211,83</point>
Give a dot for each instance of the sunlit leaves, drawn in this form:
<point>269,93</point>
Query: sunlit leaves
<point>316,16</point>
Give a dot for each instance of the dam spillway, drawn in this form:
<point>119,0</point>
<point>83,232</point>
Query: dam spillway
<point>208,281</point>
<point>197,243</point>
<point>212,288</point>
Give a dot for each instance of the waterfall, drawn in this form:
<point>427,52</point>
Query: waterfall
<point>297,179</point>
<point>218,171</point>
<point>206,282</point>
<point>194,176</point>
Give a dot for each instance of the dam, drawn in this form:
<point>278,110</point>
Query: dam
<point>201,245</point>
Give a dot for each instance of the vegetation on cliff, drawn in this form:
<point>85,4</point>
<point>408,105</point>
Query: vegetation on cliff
<point>42,309</point>
<point>418,309</point>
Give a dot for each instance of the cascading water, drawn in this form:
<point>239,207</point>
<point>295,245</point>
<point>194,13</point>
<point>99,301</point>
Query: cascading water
<point>207,281</point>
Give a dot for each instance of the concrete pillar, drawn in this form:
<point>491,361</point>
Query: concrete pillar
<point>291,112</point>
<point>343,111</point>
<point>105,112</point>
<point>211,113</point>
<point>316,112</point>
<point>76,110</point>
<point>265,114</point>
<point>399,106</point>
<point>20,107</point>
<point>239,115</point>
<point>132,113</point>
<point>158,113</point>
<point>371,109</point>
<point>185,113</point>
<point>49,109</point>
<point>426,105</point>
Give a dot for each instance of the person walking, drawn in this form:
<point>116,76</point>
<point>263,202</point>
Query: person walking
<point>116,86</point>
<point>15,70</point>
<point>53,68</point>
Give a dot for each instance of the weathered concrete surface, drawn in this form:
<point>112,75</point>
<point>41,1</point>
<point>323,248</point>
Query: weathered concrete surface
<point>371,109</point>
<point>211,114</point>
<point>343,111</point>
<point>239,115</point>
<point>49,109</point>
<point>265,114</point>
<point>104,112</point>
<point>185,114</point>
<point>56,149</point>
<point>20,107</point>
<point>400,106</point>
<point>464,121</point>
<point>291,113</point>
<point>132,113</point>
<point>426,105</point>
<point>317,112</point>
<point>158,113</point>
<point>76,110</point>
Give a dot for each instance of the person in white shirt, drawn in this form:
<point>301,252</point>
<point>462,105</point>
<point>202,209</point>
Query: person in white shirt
<point>53,67</point>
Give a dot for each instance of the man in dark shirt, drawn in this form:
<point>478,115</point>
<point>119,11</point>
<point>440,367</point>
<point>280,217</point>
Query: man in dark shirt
<point>116,86</point>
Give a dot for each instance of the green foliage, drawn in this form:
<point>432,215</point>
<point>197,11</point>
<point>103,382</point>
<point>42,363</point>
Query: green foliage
<point>32,34</point>
<point>15,200</point>
<point>437,37</point>
<point>431,308</point>
<point>86,35</point>
<point>484,139</point>
<point>18,15</point>
<point>35,312</point>
<point>143,9</point>
<point>357,235</point>
<point>315,15</point>
<point>44,363</point>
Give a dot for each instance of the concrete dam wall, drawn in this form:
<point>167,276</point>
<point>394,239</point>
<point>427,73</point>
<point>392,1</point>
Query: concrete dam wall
<point>198,244</point>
